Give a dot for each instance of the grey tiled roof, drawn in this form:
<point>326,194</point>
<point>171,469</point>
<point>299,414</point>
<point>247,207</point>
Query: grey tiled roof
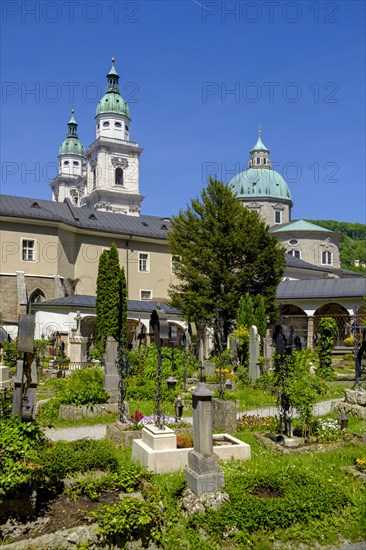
<point>84,217</point>
<point>322,288</point>
<point>87,301</point>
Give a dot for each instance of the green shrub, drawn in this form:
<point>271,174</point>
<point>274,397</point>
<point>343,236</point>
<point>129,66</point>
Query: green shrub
<point>130,519</point>
<point>324,347</point>
<point>127,479</point>
<point>63,458</point>
<point>10,354</point>
<point>6,403</point>
<point>19,443</point>
<point>144,362</point>
<point>82,387</point>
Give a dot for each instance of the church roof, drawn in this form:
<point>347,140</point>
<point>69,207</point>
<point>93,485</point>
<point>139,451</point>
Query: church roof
<point>300,225</point>
<point>259,146</point>
<point>260,183</point>
<point>87,301</point>
<point>154,227</point>
<point>322,288</point>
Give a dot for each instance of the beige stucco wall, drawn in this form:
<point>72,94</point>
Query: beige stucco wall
<point>311,246</point>
<point>267,209</point>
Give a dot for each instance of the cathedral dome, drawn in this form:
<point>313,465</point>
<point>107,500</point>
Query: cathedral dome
<point>72,145</point>
<point>260,183</point>
<point>112,102</point>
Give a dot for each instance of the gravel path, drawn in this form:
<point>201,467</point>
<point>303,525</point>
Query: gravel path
<point>99,430</point>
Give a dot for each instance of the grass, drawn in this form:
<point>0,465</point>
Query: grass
<point>103,419</point>
<point>346,522</point>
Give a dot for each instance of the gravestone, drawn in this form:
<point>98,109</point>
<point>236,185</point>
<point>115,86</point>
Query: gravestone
<point>254,338</point>
<point>111,376</point>
<point>209,369</point>
<point>203,473</point>
<point>268,351</point>
<point>77,345</point>
<point>224,416</point>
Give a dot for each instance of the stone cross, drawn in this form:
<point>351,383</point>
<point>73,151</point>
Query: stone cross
<point>254,338</point>
<point>78,322</point>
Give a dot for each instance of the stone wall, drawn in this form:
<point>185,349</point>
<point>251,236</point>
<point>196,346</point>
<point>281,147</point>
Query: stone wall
<point>72,412</point>
<point>354,404</point>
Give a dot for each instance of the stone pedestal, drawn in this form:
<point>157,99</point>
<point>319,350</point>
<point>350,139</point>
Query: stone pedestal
<point>28,401</point>
<point>4,377</point>
<point>254,370</point>
<point>77,349</point>
<point>203,474</point>
<point>154,450</point>
<point>111,376</point>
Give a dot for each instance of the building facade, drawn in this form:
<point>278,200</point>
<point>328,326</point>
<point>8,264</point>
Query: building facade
<point>50,249</point>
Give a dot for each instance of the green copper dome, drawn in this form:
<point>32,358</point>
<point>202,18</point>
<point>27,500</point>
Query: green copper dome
<point>72,145</point>
<point>260,183</point>
<point>112,102</point>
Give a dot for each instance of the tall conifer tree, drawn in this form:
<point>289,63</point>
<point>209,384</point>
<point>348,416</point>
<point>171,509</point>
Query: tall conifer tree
<point>226,251</point>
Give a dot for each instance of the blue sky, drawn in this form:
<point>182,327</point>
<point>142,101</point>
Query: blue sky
<point>199,78</point>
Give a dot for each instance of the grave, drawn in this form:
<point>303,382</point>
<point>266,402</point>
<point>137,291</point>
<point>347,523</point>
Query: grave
<point>254,338</point>
<point>203,473</point>
<point>77,345</point>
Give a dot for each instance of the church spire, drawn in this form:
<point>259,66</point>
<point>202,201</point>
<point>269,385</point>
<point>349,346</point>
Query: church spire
<point>72,126</point>
<point>112,79</point>
<point>259,154</point>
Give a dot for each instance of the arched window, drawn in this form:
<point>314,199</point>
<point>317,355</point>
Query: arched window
<point>75,163</point>
<point>118,125</point>
<point>37,296</point>
<point>105,124</point>
<point>118,176</point>
<point>326,257</point>
<point>66,162</point>
<point>94,178</point>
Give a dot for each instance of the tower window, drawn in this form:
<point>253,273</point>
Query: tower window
<point>258,160</point>
<point>118,125</point>
<point>118,176</point>
<point>126,128</point>
<point>66,162</point>
<point>28,250</point>
<point>94,178</point>
<point>144,263</point>
<point>105,124</point>
<point>264,161</point>
<point>326,257</point>
<point>75,163</point>
<point>278,216</point>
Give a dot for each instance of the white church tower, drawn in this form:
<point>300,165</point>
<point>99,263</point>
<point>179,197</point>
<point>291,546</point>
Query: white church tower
<point>112,159</point>
<point>70,182</point>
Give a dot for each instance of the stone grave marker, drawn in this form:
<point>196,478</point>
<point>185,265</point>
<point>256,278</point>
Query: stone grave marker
<point>203,473</point>
<point>111,376</point>
<point>254,338</point>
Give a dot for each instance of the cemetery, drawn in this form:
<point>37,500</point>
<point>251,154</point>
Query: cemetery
<point>235,480</point>
<point>220,438</point>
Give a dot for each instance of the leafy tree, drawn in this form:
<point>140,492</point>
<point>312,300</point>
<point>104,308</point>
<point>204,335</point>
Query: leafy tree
<point>226,251</point>
<point>324,347</point>
<point>111,299</point>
